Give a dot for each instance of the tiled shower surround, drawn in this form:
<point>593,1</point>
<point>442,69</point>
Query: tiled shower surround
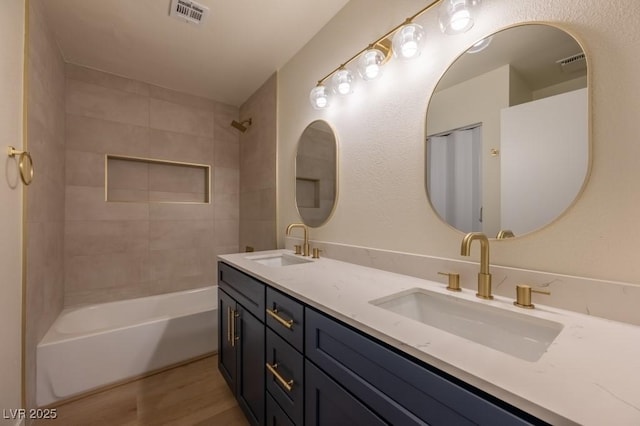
<point>120,250</point>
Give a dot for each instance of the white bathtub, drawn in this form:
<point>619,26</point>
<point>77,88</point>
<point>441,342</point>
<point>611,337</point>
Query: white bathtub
<point>92,346</point>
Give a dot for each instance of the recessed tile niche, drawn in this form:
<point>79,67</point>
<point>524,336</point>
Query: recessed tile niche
<point>146,180</point>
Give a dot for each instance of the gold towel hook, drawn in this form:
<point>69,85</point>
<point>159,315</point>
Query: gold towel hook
<point>26,173</point>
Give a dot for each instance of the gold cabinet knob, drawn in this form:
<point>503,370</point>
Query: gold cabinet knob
<point>454,281</point>
<point>523,296</point>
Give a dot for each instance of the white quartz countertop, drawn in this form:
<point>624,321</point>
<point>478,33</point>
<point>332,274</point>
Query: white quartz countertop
<point>589,375</point>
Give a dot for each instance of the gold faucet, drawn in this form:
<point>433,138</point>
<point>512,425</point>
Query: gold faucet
<point>484,277</point>
<point>305,246</point>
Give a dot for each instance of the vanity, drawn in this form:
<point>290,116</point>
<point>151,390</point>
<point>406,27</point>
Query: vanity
<point>320,341</point>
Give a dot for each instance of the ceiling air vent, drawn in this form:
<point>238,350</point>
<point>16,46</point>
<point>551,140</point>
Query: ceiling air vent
<point>573,63</point>
<point>188,10</point>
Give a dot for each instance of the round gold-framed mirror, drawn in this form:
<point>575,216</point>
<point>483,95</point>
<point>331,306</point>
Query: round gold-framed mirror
<point>507,147</point>
<point>316,173</point>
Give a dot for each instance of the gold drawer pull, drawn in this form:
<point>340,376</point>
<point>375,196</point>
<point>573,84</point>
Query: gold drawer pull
<point>229,324</point>
<point>285,323</point>
<point>287,384</point>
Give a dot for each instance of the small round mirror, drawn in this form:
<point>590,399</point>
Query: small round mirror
<point>507,147</point>
<point>316,173</point>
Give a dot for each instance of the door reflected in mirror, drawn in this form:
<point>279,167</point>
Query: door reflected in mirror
<point>507,145</point>
<point>316,173</point>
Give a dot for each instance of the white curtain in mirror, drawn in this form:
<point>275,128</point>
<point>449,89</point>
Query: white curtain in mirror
<point>455,176</point>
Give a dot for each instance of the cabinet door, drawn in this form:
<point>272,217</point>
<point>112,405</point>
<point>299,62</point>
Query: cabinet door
<point>287,365</point>
<point>328,404</point>
<point>227,359</point>
<point>251,362</point>
<point>276,415</point>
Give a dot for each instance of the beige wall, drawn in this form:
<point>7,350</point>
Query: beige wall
<point>120,250</point>
<point>45,196</point>
<point>11,77</point>
<point>382,201</point>
<point>258,169</point>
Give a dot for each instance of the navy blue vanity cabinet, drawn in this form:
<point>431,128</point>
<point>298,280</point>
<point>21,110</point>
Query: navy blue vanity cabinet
<point>241,339</point>
<point>276,415</point>
<point>284,351</point>
<point>394,387</point>
<point>329,404</point>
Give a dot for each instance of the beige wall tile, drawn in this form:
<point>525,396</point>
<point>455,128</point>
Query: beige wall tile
<point>249,205</point>
<point>223,116</point>
<point>180,147</point>
<point>180,263</point>
<point>105,237</point>
<point>259,234</point>
<point>178,178</point>
<point>176,197</point>
<point>181,234</point>
<point>107,294</point>
<point>90,100</point>
<point>181,211</point>
<point>106,271</point>
<point>106,137</point>
<point>169,285</point>
<point>88,203</point>
<point>185,99</point>
<point>84,168</point>
<point>227,232</point>
<point>220,250</point>
<point>226,181</point>
<point>119,250</point>
<point>179,118</point>
<point>100,78</point>
<point>257,169</point>
<point>128,195</point>
<point>227,154</point>
<point>127,174</point>
<point>45,197</point>
<point>227,206</point>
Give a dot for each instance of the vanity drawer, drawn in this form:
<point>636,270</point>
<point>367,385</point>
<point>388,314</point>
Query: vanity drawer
<point>248,291</point>
<point>286,317</point>
<point>285,380</point>
<point>275,415</point>
<point>398,389</point>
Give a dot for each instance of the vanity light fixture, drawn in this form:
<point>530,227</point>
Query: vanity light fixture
<point>342,82</point>
<point>405,41</point>
<point>319,96</point>
<point>371,61</point>
<point>456,16</point>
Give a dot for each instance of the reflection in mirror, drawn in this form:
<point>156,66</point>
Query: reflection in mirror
<point>507,132</point>
<point>316,173</point>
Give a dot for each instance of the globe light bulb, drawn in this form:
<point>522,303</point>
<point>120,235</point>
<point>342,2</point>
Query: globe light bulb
<point>319,97</point>
<point>456,16</point>
<point>342,82</point>
<point>369,64</point>
<point>408,41</point>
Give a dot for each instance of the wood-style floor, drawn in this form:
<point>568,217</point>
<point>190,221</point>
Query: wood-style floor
<point>192,394</point>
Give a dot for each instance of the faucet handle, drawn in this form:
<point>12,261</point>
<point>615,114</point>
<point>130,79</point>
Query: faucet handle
<point>298,249</point>
<point>454,281</point>
<point>316,253</point>
<point>523,296</point>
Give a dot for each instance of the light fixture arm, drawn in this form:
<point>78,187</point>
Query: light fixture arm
<point>379,40</point>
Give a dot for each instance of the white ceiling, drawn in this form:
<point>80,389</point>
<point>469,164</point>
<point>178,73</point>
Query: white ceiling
<point>225,58</point>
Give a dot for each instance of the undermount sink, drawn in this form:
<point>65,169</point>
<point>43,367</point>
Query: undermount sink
<point>278,259</point>
<point>516,334</point>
